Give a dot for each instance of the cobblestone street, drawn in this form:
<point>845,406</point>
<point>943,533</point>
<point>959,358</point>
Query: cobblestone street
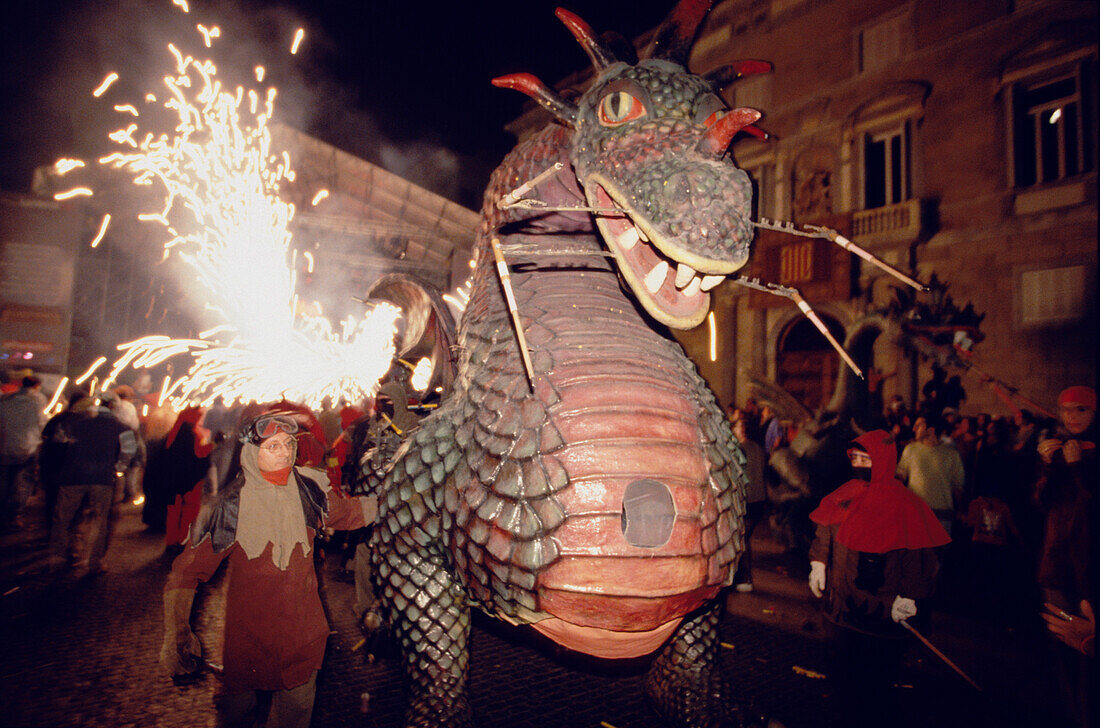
<point>82,651</point>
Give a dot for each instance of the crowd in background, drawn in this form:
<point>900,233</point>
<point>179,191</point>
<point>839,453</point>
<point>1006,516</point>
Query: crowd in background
<point>1014,491</point>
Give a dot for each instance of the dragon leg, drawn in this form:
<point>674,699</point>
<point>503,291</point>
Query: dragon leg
<point>685,681</point>
<point>431,622</point>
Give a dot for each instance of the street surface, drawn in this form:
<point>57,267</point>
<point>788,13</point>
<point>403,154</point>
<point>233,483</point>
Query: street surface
<point>82,651</point>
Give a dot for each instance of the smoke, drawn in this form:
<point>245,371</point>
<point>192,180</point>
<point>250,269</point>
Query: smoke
<point>426,164</point>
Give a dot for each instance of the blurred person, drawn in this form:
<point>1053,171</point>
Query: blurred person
<point>264,525</point>
<point>22,416</point>
<point>86,449</point>
<point>755,502</point>
<point>1066,493</point>
<point>175,475</point>
<point>933,470</point>
<point>126,413</point>
<point>1076,631</point>
<point>874,560</point>
<point>993,577</point>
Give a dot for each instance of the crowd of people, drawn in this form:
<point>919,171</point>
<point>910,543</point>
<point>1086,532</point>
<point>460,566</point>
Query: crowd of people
<point>992,514</point>
<point>935,510</point>
<point>252,486</point>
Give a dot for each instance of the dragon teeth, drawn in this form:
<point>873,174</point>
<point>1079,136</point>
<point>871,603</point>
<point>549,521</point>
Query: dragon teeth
<point>641,234</point>
<point>656,277</point>
<point>710,282</point>
<point>684,274</point>
<point>693,287</point>
<point>629,238</point>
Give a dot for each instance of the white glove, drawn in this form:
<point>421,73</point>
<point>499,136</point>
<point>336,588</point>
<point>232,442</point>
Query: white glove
<point>817,578</point>
<point>903,609</point>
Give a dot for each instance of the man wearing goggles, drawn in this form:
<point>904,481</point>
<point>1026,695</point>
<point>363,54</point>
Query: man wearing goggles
<point>264,523</point>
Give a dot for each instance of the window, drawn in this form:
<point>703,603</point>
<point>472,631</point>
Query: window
<point>1049,129</point>
<point>1052,296</point>
<point>884,136</point>
<point>886,166</point>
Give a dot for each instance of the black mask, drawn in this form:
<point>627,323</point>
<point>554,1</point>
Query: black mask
<point>862,473</point>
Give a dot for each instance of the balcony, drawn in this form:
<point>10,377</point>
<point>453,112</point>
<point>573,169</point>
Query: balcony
<point>888,226</point>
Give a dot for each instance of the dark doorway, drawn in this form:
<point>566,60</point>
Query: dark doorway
<point>806,365</point>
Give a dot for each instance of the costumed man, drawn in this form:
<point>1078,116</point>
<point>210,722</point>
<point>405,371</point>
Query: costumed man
<point>1066,493</point>
<point>264,523</point>
<point>873,558</point>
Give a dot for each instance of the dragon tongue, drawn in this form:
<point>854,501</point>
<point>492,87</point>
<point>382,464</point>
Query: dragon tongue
<point>656,277</point>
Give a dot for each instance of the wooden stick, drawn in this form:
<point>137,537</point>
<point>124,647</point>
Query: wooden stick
<point>853,248</point>
<point>510,297</point>
<point>939,654</point>
<point>812,315</point>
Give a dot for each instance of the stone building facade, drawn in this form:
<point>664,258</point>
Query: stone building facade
<point>954,139</point>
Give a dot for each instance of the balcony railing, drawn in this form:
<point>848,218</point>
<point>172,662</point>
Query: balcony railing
<point>889,225</point>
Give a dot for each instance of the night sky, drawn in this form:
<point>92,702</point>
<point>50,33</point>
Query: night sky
<point>402,84</point>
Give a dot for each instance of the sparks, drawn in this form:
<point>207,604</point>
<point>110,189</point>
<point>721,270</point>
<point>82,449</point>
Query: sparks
<point>317,198</point>
<point>95,365</point>
<point>74,192</point>
<point>209,34</point>
<point>224,218</point>
<point>56,398</point>
<point>713,336</point>
<point>64,166</point>
<point>182,4</point>
<point>259,71</point>
<point>106,84</point>
<point>102,230</point>
<point>309,261</point>
<point>127,109</point>
<point>298,36</point>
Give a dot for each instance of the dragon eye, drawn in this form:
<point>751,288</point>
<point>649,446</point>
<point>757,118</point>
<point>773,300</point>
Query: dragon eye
<point>619,107</point>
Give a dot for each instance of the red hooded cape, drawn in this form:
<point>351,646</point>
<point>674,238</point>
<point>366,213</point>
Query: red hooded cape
<point>879,515</point>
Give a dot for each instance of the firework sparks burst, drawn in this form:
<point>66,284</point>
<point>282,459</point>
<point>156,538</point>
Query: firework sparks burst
<point>226,221</point>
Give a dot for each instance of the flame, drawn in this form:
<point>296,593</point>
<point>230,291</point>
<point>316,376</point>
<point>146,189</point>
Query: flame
<point>226,222</point>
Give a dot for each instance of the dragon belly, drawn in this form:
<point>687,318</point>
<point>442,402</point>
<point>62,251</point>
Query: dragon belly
<point>649,533</point>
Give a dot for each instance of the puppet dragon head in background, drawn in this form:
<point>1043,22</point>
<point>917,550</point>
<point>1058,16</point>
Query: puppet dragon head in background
<point>648,145</point>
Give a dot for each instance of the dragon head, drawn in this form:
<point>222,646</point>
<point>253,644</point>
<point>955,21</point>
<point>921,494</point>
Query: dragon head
<point>648,149</point>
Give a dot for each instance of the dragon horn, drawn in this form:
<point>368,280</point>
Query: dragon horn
<point>672,40</point>
<point>723,76</point>
<point>600,55</point>
<point>536,89</point>
<point>719,135</point>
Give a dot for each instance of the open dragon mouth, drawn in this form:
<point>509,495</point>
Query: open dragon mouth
<point>668,287</point>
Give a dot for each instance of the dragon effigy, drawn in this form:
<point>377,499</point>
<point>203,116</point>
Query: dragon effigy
<point>578,476</point>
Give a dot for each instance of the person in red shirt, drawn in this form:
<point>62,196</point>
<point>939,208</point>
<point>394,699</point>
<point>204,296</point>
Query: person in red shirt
<point>264,524</point>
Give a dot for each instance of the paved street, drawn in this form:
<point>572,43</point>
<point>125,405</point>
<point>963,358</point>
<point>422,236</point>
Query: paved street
<point>82,651</point>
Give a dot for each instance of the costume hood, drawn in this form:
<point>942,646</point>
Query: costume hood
<point>881,514</point>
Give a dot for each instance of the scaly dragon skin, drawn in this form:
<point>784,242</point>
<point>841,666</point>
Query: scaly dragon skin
<point>605,506</point>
